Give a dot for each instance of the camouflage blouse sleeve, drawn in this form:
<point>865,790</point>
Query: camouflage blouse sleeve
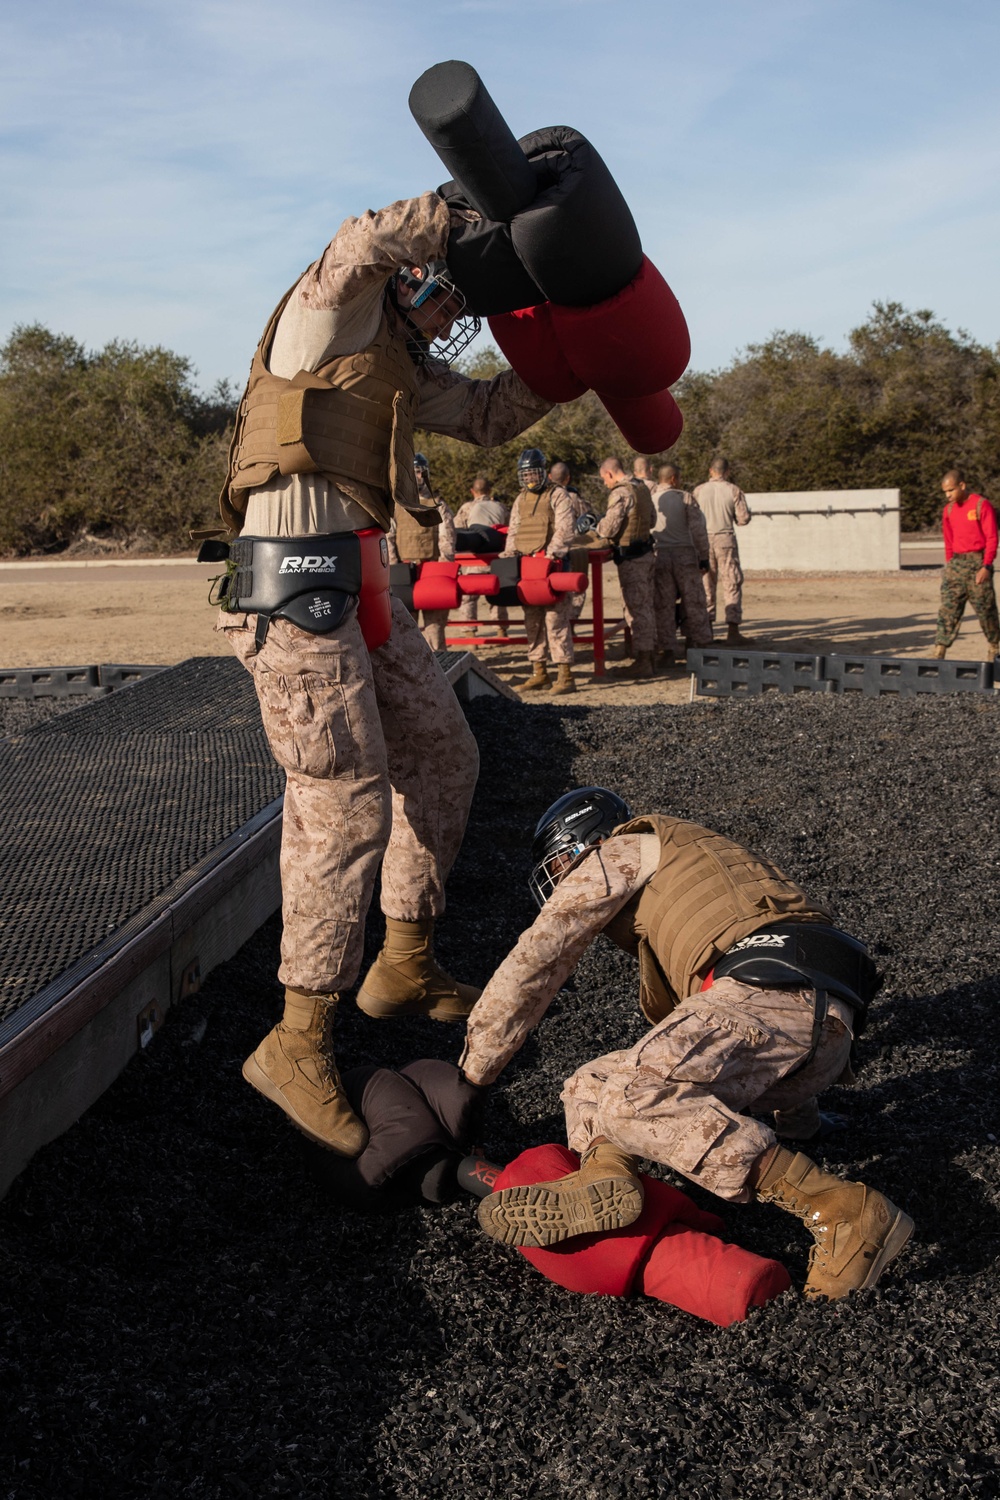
<point>365,251</point>
<point>523,987</point>
<point>510,546</point>
<point>446,531</point>
<point>696,526</point>
<point>564,527</point>
<point>486,412</point>
<point>612,523</point>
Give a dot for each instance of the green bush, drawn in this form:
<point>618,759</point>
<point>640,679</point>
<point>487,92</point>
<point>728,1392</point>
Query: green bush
<point>111,445</point>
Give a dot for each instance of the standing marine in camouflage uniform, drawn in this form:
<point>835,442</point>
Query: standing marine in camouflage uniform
<point>753,996</point>
<point>481,509</point>
<point>969,524</point>
<point>680,538</point>
<point>724,506</point>
<point>542,520</point>
<point>380,761</point>
<point>412,541</point>
<point>628,524</point>
<point>561,474</point>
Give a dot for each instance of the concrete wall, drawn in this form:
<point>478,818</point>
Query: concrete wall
<point>822,531</point>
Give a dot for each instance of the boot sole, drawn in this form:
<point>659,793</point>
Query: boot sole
<point>539,1216</point>
<point>258,1079</point>
<point>895,1241</point>
<point>435,1010</point>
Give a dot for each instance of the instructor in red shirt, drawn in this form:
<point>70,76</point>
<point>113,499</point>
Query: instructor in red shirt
<point>970,545</point>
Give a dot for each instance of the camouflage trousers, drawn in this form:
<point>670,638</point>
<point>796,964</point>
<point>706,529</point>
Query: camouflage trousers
<point>379,762</point>
<point>635,575</point>
<point>678,573</point>
<point>724,568</point>
<point>678,1096</point>
<point>550,631</point>
<point>432,623</point>
<point>958,585</point>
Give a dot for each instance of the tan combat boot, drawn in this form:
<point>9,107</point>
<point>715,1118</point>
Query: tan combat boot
<point>857,1230</point>
<point>733,637</point>
<point>939,653</point>
<point>294,1068</point>
<point>643,664</point>
<point>665,660</point>
<point>604,1194</point>
<point>564,679</point>
<point>406,980</point>
<point>539,677</point>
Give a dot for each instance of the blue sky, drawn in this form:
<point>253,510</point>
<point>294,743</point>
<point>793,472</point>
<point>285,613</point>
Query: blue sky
<point>167,169</point>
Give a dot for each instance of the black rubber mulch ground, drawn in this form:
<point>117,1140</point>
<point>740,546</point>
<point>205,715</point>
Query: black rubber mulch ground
<point>186,1314</point>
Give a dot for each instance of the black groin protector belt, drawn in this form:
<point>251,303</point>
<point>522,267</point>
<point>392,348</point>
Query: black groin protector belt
<point>808,954</point>
<point>314,581</point>
<point>632,551</point>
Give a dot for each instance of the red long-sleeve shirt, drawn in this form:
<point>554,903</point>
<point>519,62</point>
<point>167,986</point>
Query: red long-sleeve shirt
<point>964,533</point>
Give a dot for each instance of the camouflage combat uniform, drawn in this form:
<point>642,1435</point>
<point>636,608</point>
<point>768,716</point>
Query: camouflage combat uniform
<point>970,543</point>
<point>723,505</point>
<point>958,587</point>
<point>678,1097</point>
<point>549,631</point>
<point>635,574</point>
<point>681,540</point>
<point>354,728</point>
<point>432,621</point>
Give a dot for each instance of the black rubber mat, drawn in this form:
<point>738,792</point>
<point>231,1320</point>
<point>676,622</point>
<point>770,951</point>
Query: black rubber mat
<point>106,806</point>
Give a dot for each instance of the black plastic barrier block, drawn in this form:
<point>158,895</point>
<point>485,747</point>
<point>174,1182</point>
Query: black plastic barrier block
<point>114,675</point>
<point>725,673</point>
<point>51,682</point>
<point>907,676</point>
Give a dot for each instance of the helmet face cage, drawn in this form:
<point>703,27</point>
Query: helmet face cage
<point>433,290</point>
<point>548,872</point>
<point>531,468</point>
<point>572,825</point>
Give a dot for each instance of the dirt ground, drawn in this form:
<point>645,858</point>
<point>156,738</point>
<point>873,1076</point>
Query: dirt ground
<point>71,614</point>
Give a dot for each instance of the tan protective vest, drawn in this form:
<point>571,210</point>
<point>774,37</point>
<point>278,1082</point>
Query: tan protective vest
<point>350,421</point>
<point>416,542</point>
<point>536,520</point>
<point>707,894</point>
<point>640,519</point>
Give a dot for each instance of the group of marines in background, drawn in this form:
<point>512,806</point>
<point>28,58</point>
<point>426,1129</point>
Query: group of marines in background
<point>675,551</point>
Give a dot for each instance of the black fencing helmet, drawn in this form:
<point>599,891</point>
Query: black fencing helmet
<point>434,288</point>
<point>422,468</point>
<point>531,469</point>
<point>574,823</point>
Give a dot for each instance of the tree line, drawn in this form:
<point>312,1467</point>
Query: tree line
<point>118,446</point>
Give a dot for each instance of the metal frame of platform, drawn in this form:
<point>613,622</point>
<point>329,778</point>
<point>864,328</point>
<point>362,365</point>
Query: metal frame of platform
<point>66,1044</point>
